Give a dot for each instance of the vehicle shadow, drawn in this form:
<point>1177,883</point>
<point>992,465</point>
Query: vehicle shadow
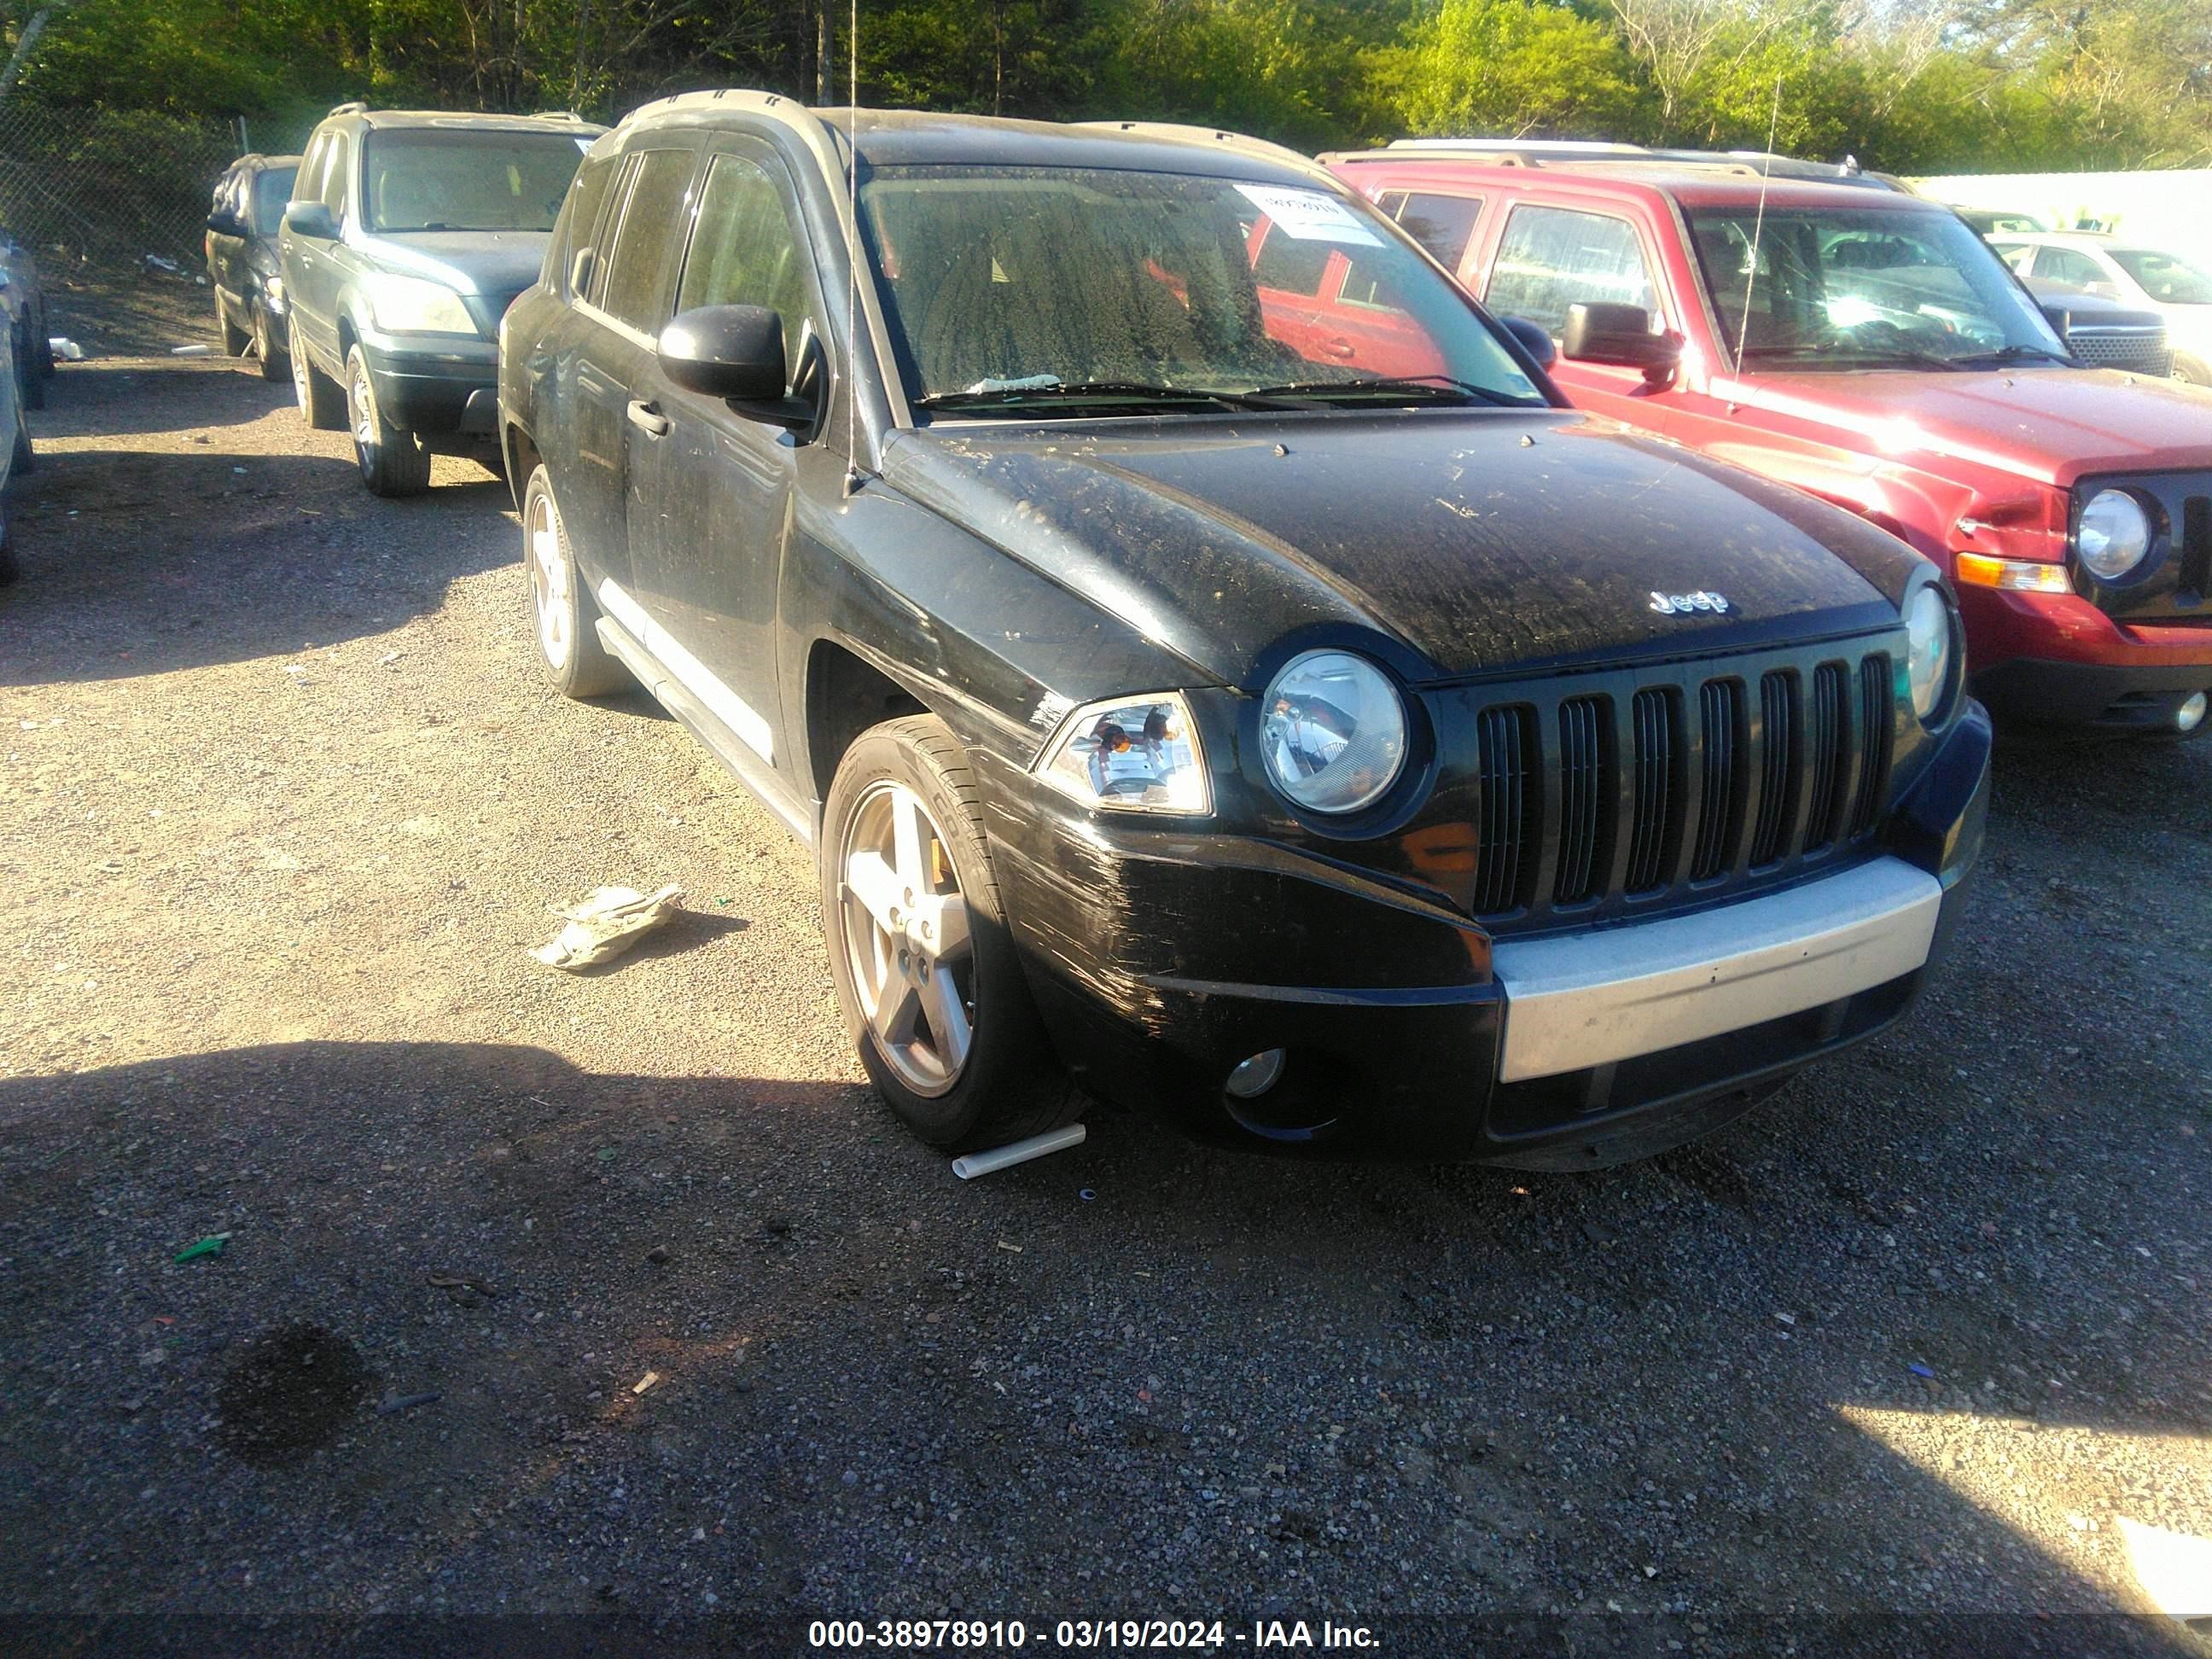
<point>633,1309</point>
<point>121,396</point>
<point>220,541</point>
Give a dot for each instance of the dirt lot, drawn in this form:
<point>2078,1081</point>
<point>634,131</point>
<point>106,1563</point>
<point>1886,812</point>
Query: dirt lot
<point>285,804</point>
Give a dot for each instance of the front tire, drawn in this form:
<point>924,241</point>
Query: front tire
<point>562,610</point>
<point>275,362</point>
<point>322,405</point>
<point>394,461</point>
<point>926,969</point>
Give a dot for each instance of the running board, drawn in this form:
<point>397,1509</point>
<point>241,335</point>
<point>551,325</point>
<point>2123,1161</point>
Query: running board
<point>720,742</point>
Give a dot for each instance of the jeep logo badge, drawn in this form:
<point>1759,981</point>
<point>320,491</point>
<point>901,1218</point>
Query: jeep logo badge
<point>1678,605</point>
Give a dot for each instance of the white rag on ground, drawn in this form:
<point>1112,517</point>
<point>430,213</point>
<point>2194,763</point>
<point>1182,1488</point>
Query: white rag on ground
<point>605,925</point>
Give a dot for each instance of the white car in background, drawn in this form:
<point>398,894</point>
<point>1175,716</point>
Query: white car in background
<point>2178,290</point>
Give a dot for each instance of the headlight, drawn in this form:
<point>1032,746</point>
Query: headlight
<point>1931,636</point>
<point>1132,755</point>
<point>408,305</point>
<point>2114,534</point>
<point>1333,732</point>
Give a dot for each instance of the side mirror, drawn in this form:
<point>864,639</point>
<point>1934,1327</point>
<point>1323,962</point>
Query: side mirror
<point>1600,331</point>
<point>735,352</point>
<point>580,271</point>
<point>225,224</point>
<point>2059,318</point>
<point>312,220</point>
<point>1532,339</point>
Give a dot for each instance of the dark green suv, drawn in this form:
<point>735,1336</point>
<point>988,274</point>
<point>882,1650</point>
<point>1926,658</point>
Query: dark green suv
<point>407,235</point>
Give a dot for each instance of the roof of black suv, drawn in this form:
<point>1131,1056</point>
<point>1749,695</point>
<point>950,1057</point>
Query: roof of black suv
<point>920,138</point>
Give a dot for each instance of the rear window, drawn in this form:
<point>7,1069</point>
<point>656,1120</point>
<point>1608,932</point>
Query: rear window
<point>653,223</point>
<point>435,179</point>
<point>1440,224</point>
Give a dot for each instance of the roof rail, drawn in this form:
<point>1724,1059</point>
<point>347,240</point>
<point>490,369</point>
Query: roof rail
<point>1242,142</point>
<point>556,115</point>
<point>1598,153</point>
<point>354,107</point>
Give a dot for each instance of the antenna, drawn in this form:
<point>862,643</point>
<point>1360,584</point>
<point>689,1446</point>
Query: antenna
<point>1758,227</point>
<point>853,253</point>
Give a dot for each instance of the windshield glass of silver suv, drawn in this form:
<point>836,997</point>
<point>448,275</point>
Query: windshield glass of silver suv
<point>1011,286</point>
<point>433,180</point>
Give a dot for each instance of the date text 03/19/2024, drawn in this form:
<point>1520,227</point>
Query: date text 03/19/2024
<point>1006,1635</point>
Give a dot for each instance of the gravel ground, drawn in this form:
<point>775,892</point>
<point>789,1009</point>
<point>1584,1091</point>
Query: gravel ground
<point>709,1337</point>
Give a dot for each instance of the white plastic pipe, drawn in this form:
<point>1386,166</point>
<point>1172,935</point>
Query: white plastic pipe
<point>999,1157</point>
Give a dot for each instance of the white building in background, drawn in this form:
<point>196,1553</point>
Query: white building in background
<point>2166,210</point>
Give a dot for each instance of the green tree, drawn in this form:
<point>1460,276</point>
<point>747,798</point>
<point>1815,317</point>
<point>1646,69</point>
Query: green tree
<point>1511,68</point>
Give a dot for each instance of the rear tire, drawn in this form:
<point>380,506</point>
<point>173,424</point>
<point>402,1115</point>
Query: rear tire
<point>27,378</point>
<point>234,338</point>
<point>25,458</point>
<point>275,362</point>
<point>394,461</point>
<point>926,969</point>
<point>10,568</point>
<point>322,405</point>
<point>562,613</point>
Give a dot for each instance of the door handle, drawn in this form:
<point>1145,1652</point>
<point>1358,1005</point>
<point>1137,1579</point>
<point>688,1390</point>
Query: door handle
<point>1340,350</point>
<point>649,419</point>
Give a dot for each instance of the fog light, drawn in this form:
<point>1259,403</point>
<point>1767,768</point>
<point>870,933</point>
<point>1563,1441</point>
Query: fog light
<point>2187,717</point>
<point>1264,1070</point>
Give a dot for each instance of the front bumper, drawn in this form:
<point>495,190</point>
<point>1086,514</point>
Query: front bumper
<point>1160,960</point>
<point>2112,697</point>
<point>448,390</point>
<point>2057,660</point>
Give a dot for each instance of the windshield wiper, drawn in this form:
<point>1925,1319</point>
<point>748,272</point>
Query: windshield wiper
<point>1845,356</point>
<point>1434,386</point>
<point>1018,395</point>
<point>2017,353</point>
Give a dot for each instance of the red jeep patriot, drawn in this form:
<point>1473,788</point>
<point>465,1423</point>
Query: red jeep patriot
<point>1867,347</point>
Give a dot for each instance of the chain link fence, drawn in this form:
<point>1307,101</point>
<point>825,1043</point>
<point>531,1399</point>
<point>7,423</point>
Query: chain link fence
<point>109,187</point>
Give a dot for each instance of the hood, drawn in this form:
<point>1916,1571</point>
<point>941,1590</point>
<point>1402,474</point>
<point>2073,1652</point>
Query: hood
<point>493,261</point>
<point>2053,425</point>
<point>1480,543</point>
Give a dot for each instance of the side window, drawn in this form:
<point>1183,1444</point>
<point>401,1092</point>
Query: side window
<point>1440,224</point>
<point>744,253</point>
<point>653,216</point>
<point>336,175</point>
<point>308,186</point>
<point>1552,257</point>
<point>1289,264</point>
<point>579,222</point>
<point>2063,264</point>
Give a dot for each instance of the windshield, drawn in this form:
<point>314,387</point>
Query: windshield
<point>272,189</point>
<point>1010,288</point>
<point>1855,288</point>
<point>461,181</point>
<point>2169,281</point>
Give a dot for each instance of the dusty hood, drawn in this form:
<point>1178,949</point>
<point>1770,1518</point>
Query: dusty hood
<point>2051,424</point>
<point>1483,542</point>
<point>493,262</point>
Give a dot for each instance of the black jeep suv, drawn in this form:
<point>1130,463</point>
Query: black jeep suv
<point>1287,712</point>
<point>407,235</point>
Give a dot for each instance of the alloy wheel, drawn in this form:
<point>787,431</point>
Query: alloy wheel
<point>906,937</point>
<point>549,580</point>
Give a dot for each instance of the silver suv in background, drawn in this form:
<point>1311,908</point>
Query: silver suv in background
<point>407,236</point>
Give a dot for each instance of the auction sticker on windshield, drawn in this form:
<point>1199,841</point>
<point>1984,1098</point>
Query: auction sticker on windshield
<point>1309,216</point>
